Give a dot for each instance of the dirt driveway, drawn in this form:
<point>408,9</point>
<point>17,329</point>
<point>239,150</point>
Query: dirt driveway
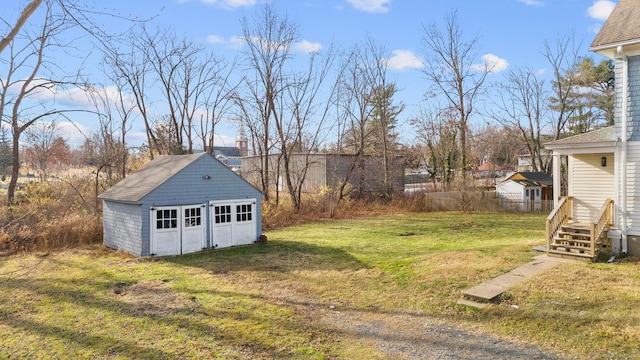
<point>403,336</point>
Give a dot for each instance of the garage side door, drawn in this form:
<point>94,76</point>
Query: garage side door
<point>193,228</point>
<point>165,231</point>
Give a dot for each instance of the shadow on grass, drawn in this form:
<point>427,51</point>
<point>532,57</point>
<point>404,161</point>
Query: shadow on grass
<point>277,256</point>
<point>99,307</point>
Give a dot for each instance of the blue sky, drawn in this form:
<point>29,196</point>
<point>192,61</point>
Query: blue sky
<point>510,32</point>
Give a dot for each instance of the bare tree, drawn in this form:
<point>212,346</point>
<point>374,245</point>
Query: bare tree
<point>114,109</point>
<point>563,58</point>
<point>450,69</point>
<point>27,11</point>
<point>304,123</point>
<point>130,70</point>
<point>523,108</point>
<point>364,74</point>
<point>217,102</point>
<point>29,74</point>
<point>269,41</point>
<point>437,129</point>
<point>45,147</point>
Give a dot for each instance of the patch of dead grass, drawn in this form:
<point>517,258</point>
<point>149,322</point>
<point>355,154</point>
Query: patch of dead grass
<point>153,297</point>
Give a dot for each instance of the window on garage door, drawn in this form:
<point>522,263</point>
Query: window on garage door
<point>166,219</point>
<point>243,212</point>
<point>222,214</point>
<point>192,217</point>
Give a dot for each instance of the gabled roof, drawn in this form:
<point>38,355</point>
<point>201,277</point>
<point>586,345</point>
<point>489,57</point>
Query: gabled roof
<point>137,185</point>
<point>621,28</point>
<point>604,135</point>
<point>227,151</point>
<point>531,178</point>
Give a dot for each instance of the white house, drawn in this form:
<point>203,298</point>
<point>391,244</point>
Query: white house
<point>526,190</point>
<point>602,209</point>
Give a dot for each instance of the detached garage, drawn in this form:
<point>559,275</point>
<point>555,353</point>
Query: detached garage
<point>178,204</point>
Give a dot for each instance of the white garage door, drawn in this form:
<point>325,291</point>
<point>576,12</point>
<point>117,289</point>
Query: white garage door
<point>177,229</point>
<point>233,222</point>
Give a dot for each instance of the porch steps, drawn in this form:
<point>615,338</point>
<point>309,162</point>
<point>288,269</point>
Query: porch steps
<point>573,241</point>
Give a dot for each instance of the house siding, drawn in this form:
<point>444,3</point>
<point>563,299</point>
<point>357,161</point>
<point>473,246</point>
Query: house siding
<point>510,190</point>
<point>633,127</point>
<point>633,184</point>
<point>122,227</point>
<point>590,184</point>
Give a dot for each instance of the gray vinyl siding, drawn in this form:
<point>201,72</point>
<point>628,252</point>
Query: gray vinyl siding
<point>590,184</point>
<point>122,227</point>
<point>633,184</point>
<point>633,127</point>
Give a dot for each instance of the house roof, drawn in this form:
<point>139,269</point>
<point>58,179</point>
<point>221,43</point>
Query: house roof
<point>137,185</point>
<point>604,135</point>
<point>621,28</point>
<point>227,151</point>
<point>531,178</point>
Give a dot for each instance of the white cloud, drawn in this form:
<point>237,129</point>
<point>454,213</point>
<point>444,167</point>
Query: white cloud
<point>532,2</point>
<point>215,39</point>
<point>403,59</point>
<point>493,63</point>
<point>74,133</point>
<point>601,9</point>
<point>236,42</point>
<point>228,4</point>
<point>307,46</point>
<point>371,6</point>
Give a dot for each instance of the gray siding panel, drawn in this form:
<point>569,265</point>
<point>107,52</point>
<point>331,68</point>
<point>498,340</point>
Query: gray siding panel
<point>122,227</point>
<point>633,127</point>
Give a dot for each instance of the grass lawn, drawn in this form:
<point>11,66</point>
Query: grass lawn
<point>267,301</point>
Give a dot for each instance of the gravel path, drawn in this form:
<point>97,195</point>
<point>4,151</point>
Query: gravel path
<point>403,336</point>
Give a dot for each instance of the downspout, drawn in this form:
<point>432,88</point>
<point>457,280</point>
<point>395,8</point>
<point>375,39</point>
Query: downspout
<point>623,158</point>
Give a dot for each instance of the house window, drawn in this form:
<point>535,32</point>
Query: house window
<point>192,217</point>
<point>538,192</point>
<point>526,193</point>
<point>166,219</point>
<point>243,212</point>
<point>223,214</point>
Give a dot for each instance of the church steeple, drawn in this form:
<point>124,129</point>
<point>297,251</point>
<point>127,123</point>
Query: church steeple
<point>241,141</point>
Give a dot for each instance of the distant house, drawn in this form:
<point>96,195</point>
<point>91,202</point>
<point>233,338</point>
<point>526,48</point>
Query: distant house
<point>229,155</point>
<point>529,189</point>
<point>525,163</point>
<point>492,170</point>
<point>179,204</point>
<point>327,170</point>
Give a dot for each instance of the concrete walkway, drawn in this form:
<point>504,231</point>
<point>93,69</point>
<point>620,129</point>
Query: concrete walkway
<point>482,295</point>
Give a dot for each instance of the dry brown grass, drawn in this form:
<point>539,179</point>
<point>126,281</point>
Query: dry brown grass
<point>50,216</point>
<point>320,207</point>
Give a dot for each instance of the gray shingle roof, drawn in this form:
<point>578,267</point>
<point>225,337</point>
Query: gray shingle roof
<point>537,177</point>
<point>603,135</point>
<point>622,26</point>
<point>137,185</point>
